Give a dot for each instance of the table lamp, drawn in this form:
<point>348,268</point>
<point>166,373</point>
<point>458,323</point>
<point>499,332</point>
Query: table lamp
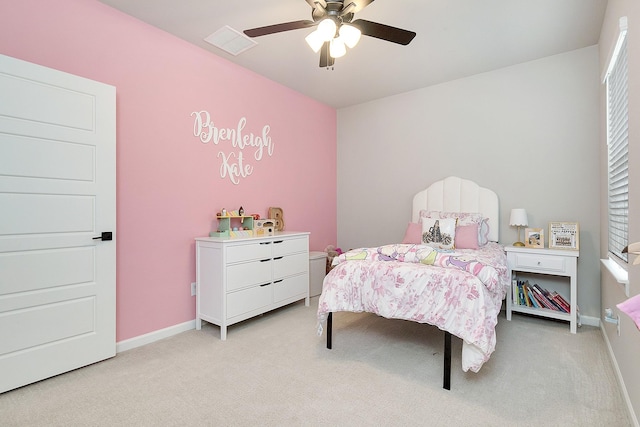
<point>518,219</point>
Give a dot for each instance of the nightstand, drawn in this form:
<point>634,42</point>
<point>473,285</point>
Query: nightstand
<point>553,262</point>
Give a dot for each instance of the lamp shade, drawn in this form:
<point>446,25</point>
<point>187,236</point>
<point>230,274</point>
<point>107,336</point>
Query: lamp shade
<point>337,48</point>
<point>327,29</point>
<point>518,218</point>
<point>315,41</point>
<point>350,35</point>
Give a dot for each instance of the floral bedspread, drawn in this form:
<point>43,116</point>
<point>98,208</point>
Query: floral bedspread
<point>458,291</point>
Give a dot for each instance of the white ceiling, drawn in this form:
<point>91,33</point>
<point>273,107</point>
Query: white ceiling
<point>455,39</point>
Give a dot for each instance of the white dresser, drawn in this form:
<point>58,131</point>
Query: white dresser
<point>243,277</point>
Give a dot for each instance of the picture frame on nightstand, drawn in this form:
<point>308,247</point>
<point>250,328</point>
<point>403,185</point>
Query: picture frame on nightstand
<point>564,235</point>
<point>534,238</point>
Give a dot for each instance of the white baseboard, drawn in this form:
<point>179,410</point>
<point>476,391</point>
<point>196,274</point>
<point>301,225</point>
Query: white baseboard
<point>616,368</point>
<point>154,336</point>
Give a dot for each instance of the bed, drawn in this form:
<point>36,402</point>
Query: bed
<point>458,289</point>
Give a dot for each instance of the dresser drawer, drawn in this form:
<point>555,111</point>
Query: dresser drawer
<point>248,273</point>
<point>540,262</point>
<point>290,287</point>
<point>246,300</point>
<point>290,265</point>
<point>249,252</point>
<point>290,246</point>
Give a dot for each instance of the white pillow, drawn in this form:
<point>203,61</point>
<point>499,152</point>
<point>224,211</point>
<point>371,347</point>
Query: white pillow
<point>439,233</point>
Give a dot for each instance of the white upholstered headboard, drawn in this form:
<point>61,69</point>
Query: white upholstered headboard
<point>455,194</point>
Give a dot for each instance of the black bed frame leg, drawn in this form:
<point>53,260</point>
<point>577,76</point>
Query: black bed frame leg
<point>329,325</point>
<point>447,361</point>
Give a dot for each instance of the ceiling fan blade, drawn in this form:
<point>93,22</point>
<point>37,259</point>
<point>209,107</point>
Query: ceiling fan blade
<point>355,6</point>
<point>384,32</point>
<point>326,60</point>
<point>278,28</point>
<point>312,3</point>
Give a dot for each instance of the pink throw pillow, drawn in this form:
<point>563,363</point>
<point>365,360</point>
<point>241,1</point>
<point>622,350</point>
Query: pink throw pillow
<point>467,236</point>
<point>413,234</point>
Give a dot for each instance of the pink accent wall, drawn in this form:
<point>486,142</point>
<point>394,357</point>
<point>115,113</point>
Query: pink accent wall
<point>168,182</point>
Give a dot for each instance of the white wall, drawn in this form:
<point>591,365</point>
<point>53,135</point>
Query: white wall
<point>626,347</point>
<point>529,132</point>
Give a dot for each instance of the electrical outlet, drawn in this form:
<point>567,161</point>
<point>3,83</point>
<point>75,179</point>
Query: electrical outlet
<point>193,289</point>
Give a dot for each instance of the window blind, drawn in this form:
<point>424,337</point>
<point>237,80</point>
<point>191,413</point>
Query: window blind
<point>618,143</point>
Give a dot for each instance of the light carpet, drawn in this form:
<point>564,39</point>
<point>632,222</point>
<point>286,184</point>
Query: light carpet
<point>274,370</point>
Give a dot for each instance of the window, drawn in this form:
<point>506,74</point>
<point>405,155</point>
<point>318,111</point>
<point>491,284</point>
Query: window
<point>618,143</point>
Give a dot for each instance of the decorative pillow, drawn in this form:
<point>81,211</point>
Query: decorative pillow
<point>439,233</point>
<point>413,234</point>
<point>464,218</point>
<point>483,232</point>
<point>467,236</point>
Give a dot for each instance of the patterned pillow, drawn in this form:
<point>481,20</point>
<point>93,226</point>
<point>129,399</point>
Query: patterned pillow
<point>464,218</point>
<point>483,232</point>
<point>439,233</point>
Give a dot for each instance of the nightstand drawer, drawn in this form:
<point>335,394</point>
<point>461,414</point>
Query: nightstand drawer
<point>540,262</point>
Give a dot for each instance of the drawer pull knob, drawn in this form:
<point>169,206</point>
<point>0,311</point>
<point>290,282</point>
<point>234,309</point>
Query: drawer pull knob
<point>265,260</point>
<point>278,258</point>
<point>266,284</point>
<point>265,243</point>
<point>278,241</point>
<point>278,281</point>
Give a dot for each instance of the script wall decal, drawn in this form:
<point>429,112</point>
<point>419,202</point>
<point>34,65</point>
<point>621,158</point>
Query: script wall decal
<point>233,144</point>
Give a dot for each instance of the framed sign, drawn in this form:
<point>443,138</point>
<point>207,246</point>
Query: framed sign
<point>534,238</point>
<point>564,235</point>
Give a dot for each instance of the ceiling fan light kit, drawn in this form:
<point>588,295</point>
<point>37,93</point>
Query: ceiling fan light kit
<point>347,35</point>
<point>350,35</point>
<point>337,48</point>
<point>336,29</point>
<point>314,40</point>
<point>327,29</point>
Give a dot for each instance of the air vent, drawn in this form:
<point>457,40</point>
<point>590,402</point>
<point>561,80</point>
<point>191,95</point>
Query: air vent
<point>230,40</point>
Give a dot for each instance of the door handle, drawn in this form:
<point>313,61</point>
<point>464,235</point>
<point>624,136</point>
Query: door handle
<point>106,235</point>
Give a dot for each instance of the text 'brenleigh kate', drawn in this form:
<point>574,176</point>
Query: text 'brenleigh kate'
<point>233,164</point>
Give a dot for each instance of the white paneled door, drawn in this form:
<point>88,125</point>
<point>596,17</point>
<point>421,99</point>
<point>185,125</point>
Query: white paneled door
<point>57,197</point>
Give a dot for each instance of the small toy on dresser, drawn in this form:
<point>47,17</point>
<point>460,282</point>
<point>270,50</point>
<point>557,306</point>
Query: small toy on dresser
<point>264,227</point>
<point>233,224</point>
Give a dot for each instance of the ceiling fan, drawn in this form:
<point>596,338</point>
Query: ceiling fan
<point>336,28</point>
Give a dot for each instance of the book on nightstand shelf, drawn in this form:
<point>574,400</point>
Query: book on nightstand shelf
<point>535,296</point>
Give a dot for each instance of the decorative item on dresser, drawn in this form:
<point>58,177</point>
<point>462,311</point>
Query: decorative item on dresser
<point>277,215</point>
<point>237,279</point>
<point>518,219</point>
<point>551,262</point>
